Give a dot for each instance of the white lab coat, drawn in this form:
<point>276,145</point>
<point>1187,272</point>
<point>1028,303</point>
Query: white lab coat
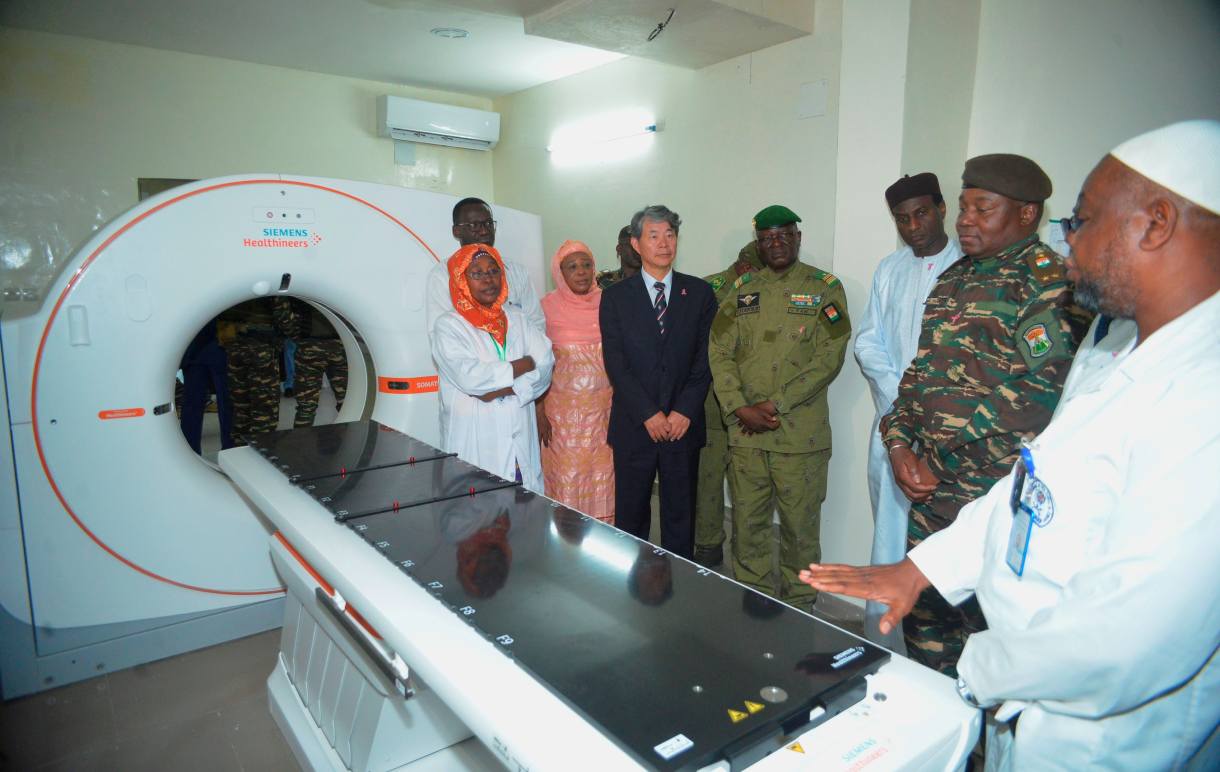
<point>1106,646</point>
<point>521,294</point>
<point>887,342</point>
<point>502,434</point>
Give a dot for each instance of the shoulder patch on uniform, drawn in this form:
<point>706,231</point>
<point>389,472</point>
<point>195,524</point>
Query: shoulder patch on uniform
<point>1046,266</point>
<point>1040,339</point>
<point>748,303</point>
<point>717,282</point>
<point>834,320</point>
<point>830,279</point>
<point>744,279</point>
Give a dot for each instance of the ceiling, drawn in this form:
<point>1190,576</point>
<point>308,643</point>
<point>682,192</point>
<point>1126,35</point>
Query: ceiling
<point>391,40</point>
<point>381,40</point>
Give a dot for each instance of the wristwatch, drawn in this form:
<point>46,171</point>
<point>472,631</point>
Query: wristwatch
<point>967,696</point>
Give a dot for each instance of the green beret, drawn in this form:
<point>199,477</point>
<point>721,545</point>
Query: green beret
<point>774,216</point>
<point>1013,176</point>
<point>749,254</point>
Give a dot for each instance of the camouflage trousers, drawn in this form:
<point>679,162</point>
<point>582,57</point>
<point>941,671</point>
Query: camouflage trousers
<point>795,485</point>
<point>936,631</point>
<point>254,387</point>
<point>315,357</point>
<point>709,498</point>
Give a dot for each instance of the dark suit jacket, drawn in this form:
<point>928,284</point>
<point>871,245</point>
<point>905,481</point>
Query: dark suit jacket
<point>651,372</point>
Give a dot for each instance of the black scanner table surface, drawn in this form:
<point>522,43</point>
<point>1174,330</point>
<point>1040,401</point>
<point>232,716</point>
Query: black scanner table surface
<point>397,487</point>
<point>673,661</point>
<point>332,450</point>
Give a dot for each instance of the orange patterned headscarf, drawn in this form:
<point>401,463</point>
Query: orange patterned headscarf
<point>492,320</point>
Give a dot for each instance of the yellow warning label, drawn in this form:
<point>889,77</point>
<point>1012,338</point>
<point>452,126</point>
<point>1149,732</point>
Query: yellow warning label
<point>737,715</point>
<point>796,747</point>
<point>754,707</point>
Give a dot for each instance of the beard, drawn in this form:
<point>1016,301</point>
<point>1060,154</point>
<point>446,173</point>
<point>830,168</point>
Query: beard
<point>1113,291</point>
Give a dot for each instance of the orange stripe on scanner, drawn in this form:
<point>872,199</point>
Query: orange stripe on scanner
<point>421,385</point>
<point>126,412</point>
<point>325,585</point>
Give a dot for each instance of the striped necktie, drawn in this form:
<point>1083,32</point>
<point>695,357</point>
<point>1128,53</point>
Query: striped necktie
<point>659,306</point>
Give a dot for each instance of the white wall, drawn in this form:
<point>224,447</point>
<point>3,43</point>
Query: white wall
<point>871,110</point>
<point>730,144</point>
<point>82,120</point>
<point>942,50</point>
<point>1064,82</point>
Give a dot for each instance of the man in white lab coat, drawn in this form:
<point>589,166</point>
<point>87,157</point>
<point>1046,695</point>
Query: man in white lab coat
<point>1095,560</point>
<point>473,224</point>
<point>888,340</point>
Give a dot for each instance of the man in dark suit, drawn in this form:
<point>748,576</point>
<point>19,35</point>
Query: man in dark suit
<point>654,335</point>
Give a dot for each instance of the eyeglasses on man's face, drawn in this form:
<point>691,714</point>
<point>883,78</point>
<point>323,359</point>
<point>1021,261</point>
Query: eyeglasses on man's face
<point>478,225</point>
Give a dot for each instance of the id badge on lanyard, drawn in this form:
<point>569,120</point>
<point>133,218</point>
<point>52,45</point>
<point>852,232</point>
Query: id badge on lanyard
<point>1023,484</point>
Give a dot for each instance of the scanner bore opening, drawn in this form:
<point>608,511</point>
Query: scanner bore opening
<point>269,363</point>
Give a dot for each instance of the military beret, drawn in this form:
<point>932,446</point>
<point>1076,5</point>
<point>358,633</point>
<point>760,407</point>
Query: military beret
<point>908,187</point>
<point>774,216</point>
<point>1014,176</point>
<point>749,254</point>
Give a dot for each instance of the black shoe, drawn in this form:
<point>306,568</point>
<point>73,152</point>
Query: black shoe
<point>709,557</point>
<point>288,392</point>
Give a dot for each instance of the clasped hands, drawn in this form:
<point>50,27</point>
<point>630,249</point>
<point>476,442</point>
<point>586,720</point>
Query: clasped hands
<point>670,426</point>
<point>757,418</point>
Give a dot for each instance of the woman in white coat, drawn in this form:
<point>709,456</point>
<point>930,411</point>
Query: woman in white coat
<point>492,366</point>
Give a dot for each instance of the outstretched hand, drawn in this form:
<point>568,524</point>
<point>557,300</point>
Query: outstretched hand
<point>896,585</point>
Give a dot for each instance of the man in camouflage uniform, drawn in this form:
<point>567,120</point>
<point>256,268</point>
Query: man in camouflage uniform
<point>628,261</point>
<point>319,351</point>
<point>714,460</point>
<point>777,343</point>
<point>253,370</point>
<point>998,334</point>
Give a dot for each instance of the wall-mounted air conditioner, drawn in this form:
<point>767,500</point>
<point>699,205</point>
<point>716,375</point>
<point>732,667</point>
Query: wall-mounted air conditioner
<point>413,120</point>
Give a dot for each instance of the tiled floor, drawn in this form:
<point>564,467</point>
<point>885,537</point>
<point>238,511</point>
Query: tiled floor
<point>206,710</point>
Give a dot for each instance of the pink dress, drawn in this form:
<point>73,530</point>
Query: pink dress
<point>578,467</point>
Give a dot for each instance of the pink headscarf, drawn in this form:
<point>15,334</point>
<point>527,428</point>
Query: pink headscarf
<point>571,319</point>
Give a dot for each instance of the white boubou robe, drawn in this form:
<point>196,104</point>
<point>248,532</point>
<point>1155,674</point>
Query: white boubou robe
<point>885,346</point>
<point>500,435</point>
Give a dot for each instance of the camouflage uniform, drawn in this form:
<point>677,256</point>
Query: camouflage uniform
<point>607,279</point>
<point>780,338</point>
<point>997,339</point>
<point>254,385</point>
<point>714,460</point>
<point>319,351</point>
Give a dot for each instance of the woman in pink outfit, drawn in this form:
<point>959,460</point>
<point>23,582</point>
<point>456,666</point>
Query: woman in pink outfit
<point>577,464</point>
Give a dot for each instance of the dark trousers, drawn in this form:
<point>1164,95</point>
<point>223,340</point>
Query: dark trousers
<point>634,471</point>
<point>206,371</point>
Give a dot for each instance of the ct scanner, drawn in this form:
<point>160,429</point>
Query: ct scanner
<point>117,544</point>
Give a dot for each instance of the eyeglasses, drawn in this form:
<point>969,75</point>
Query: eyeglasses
<point>493,273</point>
<point>1071,224</point>
<point>478,225</point>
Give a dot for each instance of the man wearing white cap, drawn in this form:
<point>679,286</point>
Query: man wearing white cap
<point>1095,560</point>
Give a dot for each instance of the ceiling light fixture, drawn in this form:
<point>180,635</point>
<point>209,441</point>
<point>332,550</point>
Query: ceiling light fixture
<point>450,33</point>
